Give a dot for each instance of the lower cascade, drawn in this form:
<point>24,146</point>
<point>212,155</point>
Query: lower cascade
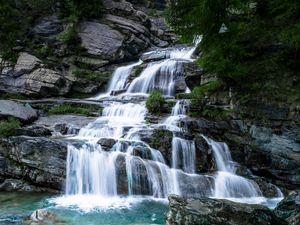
<point>108,159</point>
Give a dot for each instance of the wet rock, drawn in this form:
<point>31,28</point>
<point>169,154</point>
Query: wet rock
<point>42,216</point>
<point>155,56</point>
<point>202,211</point>
<point>289,208</point>
<point>47,26</point>
<point>35,160</point>
<point>22,112</point>
<point>106,143</point>
<point>20,185</point>
<point>159,139</point>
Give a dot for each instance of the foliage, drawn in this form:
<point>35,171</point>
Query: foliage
<point>13,96</point>
<point>76,109</point>
<point>88,75</point>
<point>155,102</point>
<point>8,127</point>
<point>70,37</point>
<point>245,42</point>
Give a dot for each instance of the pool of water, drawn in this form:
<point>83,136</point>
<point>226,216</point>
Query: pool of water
<point>14,207</point>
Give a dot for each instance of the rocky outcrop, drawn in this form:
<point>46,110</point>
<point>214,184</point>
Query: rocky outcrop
<point>13,109</point>
<point>38,162</point>
<point>50,25</point>
<point>289,208</point>
<point>27,79</point>
<point>203,211</point>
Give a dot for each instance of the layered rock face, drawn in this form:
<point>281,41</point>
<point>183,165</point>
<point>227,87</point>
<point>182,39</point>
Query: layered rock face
<point>32,164</point>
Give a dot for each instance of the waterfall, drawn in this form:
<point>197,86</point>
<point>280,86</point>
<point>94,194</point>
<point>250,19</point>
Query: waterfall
<point>227,183</point>
<point>162,75</point>
<point>107,159</point>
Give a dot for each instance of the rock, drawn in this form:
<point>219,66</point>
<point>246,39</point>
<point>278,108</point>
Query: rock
<point>155,56</point>
<point>101,40</point>
<point>64,124</point>
<point>41,82</point>
<point>90,63</point>
<point>203,211</point>
<point>10,108</point>
<point>159,139</point>
<point>289,208</point>
<point>47,26</point>
<point>35,160</point>
<point>42,216</point>
<point>107,143</point>
<point>33,131</point>
<point>193,74</point>
<point>19,185</point>
<point>26,63</point>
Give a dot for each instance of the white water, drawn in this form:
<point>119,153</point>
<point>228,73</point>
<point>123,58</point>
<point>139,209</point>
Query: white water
<point>99,176</point>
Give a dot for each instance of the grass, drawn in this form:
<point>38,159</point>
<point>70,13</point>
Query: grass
<point>74,109</point>
<point>13,96</point>
<point>8,127</point>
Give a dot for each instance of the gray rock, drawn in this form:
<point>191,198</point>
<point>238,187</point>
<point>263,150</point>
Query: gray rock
<point>10,108</point>
<point>101,40</point>
<point>50,25</point>
<point>289,208</point>
<point>33,131</point>
<point>26,63</point>
<point>203,211</point>
<point>35,160</point>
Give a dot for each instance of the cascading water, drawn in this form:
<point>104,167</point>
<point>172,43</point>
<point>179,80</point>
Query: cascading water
<point>162,75</point>
<point>227,183</point>
<point>108,159</point>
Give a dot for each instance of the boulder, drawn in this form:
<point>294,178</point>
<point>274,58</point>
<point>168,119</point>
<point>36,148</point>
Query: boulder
<point>40,82</point>
<point>22,112</point>
<point>35,160</point>
<point>47,26</point>
<point>26,63</point>
<point>101,40</point>
<point>33,131</point>
<point>289,208</point>
<point>203,211</point>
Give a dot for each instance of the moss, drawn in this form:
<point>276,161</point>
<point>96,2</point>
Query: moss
<point>13,96</point>
<point>8,127</point>
<point>80,109</point>
<point>155,102</point>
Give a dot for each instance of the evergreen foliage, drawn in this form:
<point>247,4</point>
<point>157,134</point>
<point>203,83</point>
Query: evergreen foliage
<point>8,127</point>
<point>253,46</point>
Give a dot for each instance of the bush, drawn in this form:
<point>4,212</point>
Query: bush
<point>8,127</point>
<point>155,102</point>
<point>70,37</point>
<point>69,108</point>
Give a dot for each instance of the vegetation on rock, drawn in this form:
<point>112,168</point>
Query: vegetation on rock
<point>76,109</point>
<point>155,102</point>
<point>8,127</point>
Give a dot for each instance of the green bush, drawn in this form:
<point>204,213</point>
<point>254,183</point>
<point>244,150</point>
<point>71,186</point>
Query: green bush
<point>74,109</point>
<point>8,127</point>
<point>155,102</point>
<point>70,37</point>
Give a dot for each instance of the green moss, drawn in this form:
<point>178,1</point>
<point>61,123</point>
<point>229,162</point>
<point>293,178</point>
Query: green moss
<point>8,127</point>
<point>13,96</point>
<point>155,102</point>
<point>74,109</point>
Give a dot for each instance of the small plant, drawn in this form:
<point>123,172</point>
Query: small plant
<point>70,37</point>
<point>8,127</point>
<point>155,102</point>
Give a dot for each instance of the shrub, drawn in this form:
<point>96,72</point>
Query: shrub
<point>69,108</point>
<point>70,37</point>
<point>155,102</point>
<point>8,127</point>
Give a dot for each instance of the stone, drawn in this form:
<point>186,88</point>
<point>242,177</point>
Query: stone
<point>35,160</point>
<point>26,63</point>
<point>203,211</point>
<point>289,208</point>
<point>50,25</point>
<point>33,131</point>
<point>19,111</point>
<point>101,40</point>
<point>106,143</point>
<point>41,82</point>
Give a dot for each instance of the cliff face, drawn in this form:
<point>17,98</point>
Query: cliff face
<point>49,65</point>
